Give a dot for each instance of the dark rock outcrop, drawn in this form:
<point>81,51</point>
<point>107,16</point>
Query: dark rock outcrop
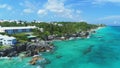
<point>30,49</point>
<point>8,52</point>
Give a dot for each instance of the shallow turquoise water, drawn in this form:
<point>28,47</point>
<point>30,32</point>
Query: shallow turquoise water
<point>105,52</point>
<point>102,50</point>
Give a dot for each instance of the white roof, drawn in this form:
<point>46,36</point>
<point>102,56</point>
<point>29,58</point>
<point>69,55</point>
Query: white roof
<point>27,27</point>
<point>7,37</point>
<point>1,36</point>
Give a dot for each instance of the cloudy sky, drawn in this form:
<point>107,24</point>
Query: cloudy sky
<point>92,11</point>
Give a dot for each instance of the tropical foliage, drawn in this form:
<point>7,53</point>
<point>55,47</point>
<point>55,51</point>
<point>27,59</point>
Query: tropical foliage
<point>54,28</point>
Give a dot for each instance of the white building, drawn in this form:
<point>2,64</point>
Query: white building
<point>13,30</point>
<point>6,40</point>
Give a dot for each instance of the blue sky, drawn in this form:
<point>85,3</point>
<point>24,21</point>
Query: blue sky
<point>92,11</point>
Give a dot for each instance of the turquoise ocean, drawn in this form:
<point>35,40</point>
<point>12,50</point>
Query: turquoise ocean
<point>101,50</point>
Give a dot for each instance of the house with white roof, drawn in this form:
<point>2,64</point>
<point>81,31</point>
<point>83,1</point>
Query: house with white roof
<point>7,40</point>
<point>13,30</point>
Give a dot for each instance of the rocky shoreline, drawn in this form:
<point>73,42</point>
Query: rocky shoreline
<point>31,49</point>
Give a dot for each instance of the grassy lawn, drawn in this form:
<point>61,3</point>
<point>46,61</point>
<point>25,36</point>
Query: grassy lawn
<point>4,47</point>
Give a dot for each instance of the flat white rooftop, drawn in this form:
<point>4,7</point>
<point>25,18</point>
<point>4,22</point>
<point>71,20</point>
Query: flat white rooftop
<point>2,29</point>
<point>25,27</point>
<point>6,37</point>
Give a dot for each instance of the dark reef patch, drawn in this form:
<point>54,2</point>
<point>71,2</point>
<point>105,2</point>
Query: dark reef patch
<point>103,54</point>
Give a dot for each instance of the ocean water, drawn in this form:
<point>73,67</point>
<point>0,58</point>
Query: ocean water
<point>101,50</point>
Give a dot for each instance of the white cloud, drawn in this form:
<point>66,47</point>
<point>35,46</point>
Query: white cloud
<point>105,1</point>
<point>109,20</point>
<point>78,11</point>
<point>110,17</point>
<point>59,9</point>
<point>55,6</point>
<point>42,11</point>
<point>5,6</point>
<point>27,11</point>
<point>28,6</point>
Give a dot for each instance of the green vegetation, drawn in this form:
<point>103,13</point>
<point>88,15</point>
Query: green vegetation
<point>4,47</point>
<point>62,28</point>
<point>54,28</point>
<point>21,37</point>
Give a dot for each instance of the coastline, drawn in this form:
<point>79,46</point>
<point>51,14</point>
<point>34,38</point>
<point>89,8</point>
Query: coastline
<point>45,57</point>
<point>88,36</point>
<point>100,28</point>
<point>72,38</point>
